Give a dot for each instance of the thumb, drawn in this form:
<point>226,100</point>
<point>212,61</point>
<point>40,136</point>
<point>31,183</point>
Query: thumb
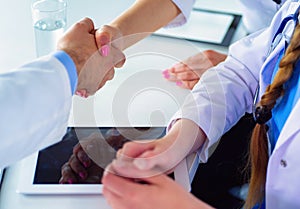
<point>103,38</point>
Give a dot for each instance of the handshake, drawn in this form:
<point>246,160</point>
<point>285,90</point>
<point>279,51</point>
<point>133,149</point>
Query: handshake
<point>93,54</point>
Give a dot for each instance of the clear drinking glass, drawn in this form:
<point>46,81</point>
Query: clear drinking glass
<point>49,22</point>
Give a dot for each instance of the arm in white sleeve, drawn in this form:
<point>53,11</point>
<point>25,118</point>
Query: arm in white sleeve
<point>35,104</point>
<point>185,6</point>
<point>225,92</point>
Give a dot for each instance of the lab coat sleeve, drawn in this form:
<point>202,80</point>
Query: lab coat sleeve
<point>35,104</point>
<point>225,92</point>
<point>185,6</point>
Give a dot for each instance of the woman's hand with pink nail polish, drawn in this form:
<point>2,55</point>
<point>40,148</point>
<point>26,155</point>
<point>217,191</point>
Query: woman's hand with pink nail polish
<point>188,72</point>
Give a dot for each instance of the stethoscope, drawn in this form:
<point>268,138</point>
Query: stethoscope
<point>261,114</point>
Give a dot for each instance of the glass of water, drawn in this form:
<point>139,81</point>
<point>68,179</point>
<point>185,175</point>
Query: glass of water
<point>49,22</point>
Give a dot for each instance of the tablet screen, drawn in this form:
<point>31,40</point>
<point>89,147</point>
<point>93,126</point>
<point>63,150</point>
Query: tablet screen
<point>206,26</point>
<point>101,145</point>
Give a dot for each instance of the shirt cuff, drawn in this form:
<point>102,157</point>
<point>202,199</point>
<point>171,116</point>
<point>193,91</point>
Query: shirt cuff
<point>185,7</point>
<point>67,61</point>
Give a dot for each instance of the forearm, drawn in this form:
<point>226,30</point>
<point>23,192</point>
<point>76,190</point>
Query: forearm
<point>186,136</point>
<point>143,18</point>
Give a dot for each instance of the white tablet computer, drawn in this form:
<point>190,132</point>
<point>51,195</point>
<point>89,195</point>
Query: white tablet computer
<point>206,26</point>
<point>41,171</point>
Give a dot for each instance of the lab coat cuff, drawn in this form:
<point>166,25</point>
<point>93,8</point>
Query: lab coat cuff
<point>67,61</point>
<point>185,7</point>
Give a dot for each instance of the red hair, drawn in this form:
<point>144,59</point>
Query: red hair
<point>259,143</point>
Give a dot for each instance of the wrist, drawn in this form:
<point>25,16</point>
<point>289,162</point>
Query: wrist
<point>70,67</point>
<point>190,135</point>
<point>126,37</point>
<point>73,55</point>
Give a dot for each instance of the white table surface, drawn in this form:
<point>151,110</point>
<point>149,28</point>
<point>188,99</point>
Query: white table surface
<point>127,100</point>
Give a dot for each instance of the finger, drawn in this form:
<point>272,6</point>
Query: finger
<point>77,167</point>
<point>108,76</point>
<point>133,149</point>
<point>114,200</point>
<point>84,158</point>
<point>76,148</point>
<point>116,181</point>
<point>146,161</point>
<point>188,84</point>
<point>179,67</point>
<point>119,153</point>
<point>152,160</point>
<point>169,76</point>
<point>104,50</point>
<point>127,169</point>
<point>111,74</point>
<point>187,76</point>
<point>119,58</point>
<point>68,176</point>
<point>81,93</point>
<point>87,24</point>
<point>103,37</point>
<point>120,186</point>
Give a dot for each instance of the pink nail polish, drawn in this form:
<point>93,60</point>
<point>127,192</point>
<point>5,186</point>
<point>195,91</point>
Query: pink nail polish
<point>165,72</point>
<point>78,93</point>
<point>166,75</point>
<point>82,175</point>
<point>178,83</point>
<point>86,164</point>
<point>70,181</point>
<point>105,50</point>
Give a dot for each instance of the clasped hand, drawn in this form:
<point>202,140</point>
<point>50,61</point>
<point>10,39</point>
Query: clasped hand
<point>93,54</point>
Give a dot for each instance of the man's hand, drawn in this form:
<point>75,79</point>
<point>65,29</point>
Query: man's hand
<point>79,42</point>
<point>155,192</point>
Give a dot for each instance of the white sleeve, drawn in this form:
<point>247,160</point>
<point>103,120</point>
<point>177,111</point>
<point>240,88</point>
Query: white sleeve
<point>185,7</point>
<point>35,104</point>
<point>225,92</point>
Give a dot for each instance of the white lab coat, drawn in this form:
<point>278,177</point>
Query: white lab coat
<point>257,14</point>
<point>35,105</point>
<point>227,91</point>
<point>185,7</point>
